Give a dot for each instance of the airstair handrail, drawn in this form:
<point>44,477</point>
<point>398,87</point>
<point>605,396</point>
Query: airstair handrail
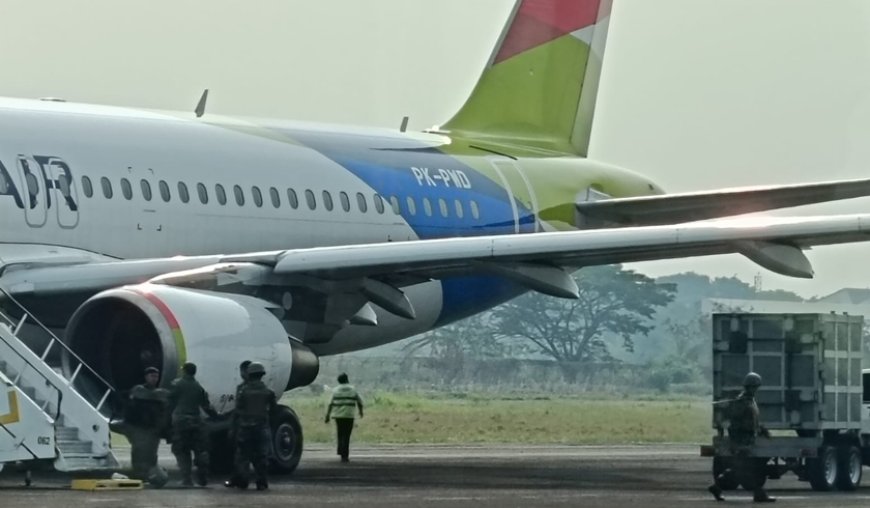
<point>54,339</point>
<point>33,367</point>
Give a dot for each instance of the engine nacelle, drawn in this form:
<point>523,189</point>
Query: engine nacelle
<point>122,331</point>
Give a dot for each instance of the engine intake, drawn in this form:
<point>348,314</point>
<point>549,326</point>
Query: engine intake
<point>122,331</point>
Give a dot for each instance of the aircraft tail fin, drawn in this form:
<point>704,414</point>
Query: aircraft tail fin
<point>539,87</point>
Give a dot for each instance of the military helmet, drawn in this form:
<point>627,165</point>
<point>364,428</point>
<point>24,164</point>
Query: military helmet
<point>152,370</point>
<point>256,368</point>
<point>752,380</point>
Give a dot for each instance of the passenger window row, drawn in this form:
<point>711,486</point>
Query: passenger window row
<point>457,208</point>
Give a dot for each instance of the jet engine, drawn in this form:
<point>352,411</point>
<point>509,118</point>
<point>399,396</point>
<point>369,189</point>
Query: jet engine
<point>122,331</point>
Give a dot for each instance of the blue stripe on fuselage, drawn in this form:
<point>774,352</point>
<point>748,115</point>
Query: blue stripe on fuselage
<point>388,167</point>
<point>389,170</point>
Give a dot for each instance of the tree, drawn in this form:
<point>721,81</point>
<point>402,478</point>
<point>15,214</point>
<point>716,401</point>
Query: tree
<point>613,301</point>
<point>454,345</point>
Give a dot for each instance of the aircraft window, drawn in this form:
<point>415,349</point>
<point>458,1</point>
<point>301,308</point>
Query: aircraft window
<point>412,206</point>
<point>203,193</point>
<point>258,196</point>
<point>309,197</point>
<point>164,191</point>
<point>345,201</point>
<point>427,207</point>
<point>443,206</point>
<point>183,193</point>
<point>327,200</point>
<point>107,187</point>
<point>459,211</point>
<point>86,186</point>
<point>63,181</point>
<point>291,197</point>
<point>379,203</point>
<point>146,189</point>
<point>361,202</point>
<point>240,195</point>
<point>475,211</point>
<point>395,202</point>
<point>221,194</point>
<point>276,197</point>
<point>126,188</point>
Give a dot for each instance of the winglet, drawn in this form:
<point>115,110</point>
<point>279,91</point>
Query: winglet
<point>200,107</point>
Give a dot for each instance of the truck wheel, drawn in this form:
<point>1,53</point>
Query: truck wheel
<point>849,468</point>
<point>286,440</point>
<point>822,470</point>
<point>720,464</point>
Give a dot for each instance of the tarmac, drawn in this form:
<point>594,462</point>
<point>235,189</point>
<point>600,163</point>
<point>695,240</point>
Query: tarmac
<point>455,476</point>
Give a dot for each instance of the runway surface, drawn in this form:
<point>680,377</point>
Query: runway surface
<point>455,476</point>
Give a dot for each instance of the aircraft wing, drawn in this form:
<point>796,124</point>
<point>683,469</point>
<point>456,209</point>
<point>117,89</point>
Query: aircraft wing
<point>695,206</point>
<point>541,261</point>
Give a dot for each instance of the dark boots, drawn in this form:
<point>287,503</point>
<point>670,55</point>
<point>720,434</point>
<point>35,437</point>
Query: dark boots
<point>760,496</point>
<point>716,491</point>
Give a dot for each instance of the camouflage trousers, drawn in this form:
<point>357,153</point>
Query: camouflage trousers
<point>252,447</point>
<point>143,449</point>
<point>190,438</point>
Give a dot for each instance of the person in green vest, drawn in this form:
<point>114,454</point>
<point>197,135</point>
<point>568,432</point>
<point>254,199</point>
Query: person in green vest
<point>342,408</point>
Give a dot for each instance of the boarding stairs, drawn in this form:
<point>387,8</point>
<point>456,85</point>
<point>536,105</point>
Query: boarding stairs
<point>43,418</point>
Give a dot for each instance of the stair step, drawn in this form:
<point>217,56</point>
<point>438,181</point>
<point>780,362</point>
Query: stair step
<point>67,447</point>
<point>66,433</point>
<point>86,463</point>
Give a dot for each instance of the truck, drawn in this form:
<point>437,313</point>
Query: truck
<point>814,401</point>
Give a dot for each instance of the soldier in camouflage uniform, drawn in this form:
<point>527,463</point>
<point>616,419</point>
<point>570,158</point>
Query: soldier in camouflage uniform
<point>254,406</point>
<point>234,480</point>
<point>744,428</point>
<point>186,398</point>
<point>145,421</point>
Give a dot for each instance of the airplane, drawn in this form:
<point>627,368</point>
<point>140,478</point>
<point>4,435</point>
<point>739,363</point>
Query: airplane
<point>154,238</point>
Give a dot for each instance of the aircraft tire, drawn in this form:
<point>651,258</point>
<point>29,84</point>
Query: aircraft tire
<point>286,441</point>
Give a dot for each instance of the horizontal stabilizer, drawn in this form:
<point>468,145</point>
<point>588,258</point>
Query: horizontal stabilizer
<point>695,206</point>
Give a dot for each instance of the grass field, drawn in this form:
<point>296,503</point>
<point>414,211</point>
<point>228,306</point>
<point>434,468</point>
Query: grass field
<point>415,418</point>
<point>445,419</point>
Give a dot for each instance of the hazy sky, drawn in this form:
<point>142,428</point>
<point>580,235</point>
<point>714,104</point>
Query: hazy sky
<point>697,94</point>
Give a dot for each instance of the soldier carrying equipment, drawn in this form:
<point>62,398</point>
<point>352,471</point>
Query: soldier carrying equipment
<point>254,406</point>
<point>743,430</point>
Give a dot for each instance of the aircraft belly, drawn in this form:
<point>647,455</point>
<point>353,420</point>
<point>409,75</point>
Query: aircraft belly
<point>427,301</point>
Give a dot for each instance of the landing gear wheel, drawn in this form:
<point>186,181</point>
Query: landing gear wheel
<point>849,468</point>
<point>222,452</point>
<point>286,440</point>
<point>822,470</point>
<point>720,464</point>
